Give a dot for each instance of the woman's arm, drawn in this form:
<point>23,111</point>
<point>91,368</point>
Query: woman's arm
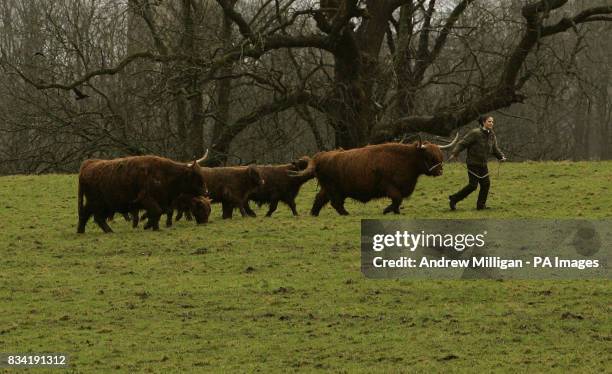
<point>496,151</point>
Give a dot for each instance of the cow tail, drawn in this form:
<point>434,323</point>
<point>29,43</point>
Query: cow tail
<point>306,174</point>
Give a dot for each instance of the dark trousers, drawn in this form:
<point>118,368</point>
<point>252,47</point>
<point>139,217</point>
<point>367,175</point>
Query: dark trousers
<point>477,175</point>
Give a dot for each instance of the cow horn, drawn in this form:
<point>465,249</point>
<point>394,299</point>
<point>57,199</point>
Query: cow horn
<point>420,145</point>
<point>451,144</point>
<point>199,160</point>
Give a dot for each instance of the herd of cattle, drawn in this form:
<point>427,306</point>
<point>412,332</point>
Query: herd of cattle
<point>161,186</point>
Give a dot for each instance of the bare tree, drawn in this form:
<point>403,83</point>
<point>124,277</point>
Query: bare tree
<point>368,70</point>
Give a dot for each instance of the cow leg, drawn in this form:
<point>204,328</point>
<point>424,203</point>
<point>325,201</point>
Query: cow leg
<point>101,221</point>
<point>169,217</point>
<point>145,216</point>
<point>291,204</point>
<point>228,209</point>
<point>320,200</point>
<point>135,217</point>
<point>179,215</point>
<point>243,211</point>
<point>154,212</point>
<point>248,210</point>
<point>83,218</point>
<point>273,206</point>
<point>396,200</point>
<point>188,215</point>
<point>338,204</point>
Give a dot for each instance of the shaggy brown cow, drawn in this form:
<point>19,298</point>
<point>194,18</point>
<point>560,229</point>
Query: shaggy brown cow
<point>231,186</point>
<point>279,186</point>
<point>185,204</point>
<point>383,170</point>
<point>125,184</point>
<point>199,206</point>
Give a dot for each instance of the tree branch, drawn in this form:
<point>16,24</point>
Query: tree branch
<point>289,101</point>
<point>144,10</point>
<point>423,50</point>
<point>237,18</point>
<point>41,85</point>
<point>450,23</point>
<point>589,15</point>
<point>504,93</point>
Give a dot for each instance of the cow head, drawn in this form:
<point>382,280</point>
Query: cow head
<point>431,158</point>
<point>300,164</point>
<point>193,180</point>
<point>200,208</point>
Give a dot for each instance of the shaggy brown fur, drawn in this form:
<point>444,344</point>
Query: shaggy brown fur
<point>231,186</point>
<point>198,206</point>
<point>127,184</point>
<point>279,186</point>
<point>383,170</point>
<point>183,204</point>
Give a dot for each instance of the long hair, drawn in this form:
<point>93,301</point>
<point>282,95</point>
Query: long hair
<point>482,119</point>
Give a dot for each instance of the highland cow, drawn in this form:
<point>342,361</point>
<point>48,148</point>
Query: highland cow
<point>279,186</point>
<point>188,205</point>
<point>376,171</point>
<point>127,184</point>
<point>231,186</point>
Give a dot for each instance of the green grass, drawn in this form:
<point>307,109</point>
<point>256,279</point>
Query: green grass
<point>280,293</point>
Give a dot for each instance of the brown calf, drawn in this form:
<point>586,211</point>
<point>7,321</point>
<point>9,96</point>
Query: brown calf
<point>279,186</point>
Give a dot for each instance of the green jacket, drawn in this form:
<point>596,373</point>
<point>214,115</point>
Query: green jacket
<point>480,144</point>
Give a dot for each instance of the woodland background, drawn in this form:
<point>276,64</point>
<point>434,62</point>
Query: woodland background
<point>270,80</point>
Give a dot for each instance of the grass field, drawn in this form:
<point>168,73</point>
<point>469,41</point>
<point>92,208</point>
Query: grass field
<point>285,293</point>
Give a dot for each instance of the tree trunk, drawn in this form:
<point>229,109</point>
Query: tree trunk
<point>604,112</point>
<point>196,126</point>
<point>353,112</point>
<point>181,121</point>
<point>222,112</point>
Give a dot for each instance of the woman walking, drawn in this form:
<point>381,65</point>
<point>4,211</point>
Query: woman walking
<point>480,143</point>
